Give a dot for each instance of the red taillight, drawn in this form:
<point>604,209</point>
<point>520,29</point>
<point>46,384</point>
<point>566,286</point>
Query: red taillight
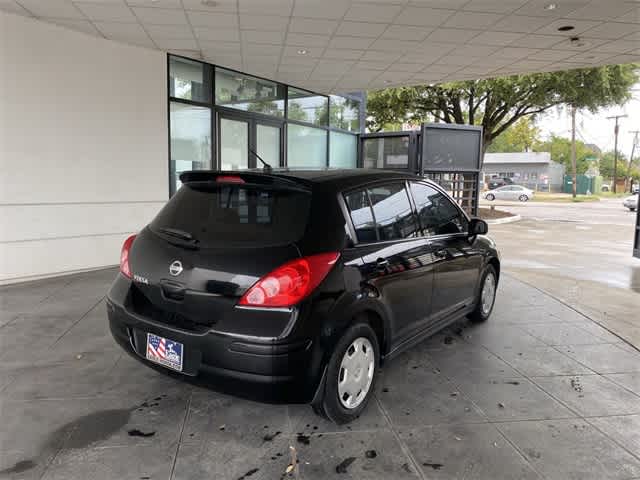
<point>125,269</point>
<point>229,179</point>
<point>288,284</point>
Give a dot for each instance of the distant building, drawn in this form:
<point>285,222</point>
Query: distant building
<point>534,170</point>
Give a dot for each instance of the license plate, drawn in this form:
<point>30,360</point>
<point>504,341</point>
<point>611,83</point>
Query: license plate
<point>165,352</point>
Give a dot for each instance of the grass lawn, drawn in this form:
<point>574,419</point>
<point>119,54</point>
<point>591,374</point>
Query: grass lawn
<point>563,198</point>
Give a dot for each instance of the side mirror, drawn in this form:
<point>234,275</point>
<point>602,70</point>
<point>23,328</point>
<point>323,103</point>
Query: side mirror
<point>478,226</point>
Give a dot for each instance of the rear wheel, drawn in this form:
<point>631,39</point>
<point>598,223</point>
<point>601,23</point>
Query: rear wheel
<point>351,375</point>
<point>486,297</point>
<point>491,197</point>
<point>523,198</point>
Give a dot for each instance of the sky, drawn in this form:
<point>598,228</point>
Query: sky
<point>595,128</point>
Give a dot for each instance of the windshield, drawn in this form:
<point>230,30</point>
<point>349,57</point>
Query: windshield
<point>216,215</point>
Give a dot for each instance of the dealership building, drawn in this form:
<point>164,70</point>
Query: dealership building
<point>104,103</point>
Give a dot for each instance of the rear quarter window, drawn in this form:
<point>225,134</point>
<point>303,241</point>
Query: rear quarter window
<point>220,215</point>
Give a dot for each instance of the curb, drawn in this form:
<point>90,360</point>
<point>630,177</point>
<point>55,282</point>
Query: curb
<point>498,221</point>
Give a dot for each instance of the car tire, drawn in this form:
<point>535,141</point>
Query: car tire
<point>482,310</point>
<point>491,197</point>
<point>358,346</point>
<point>523,198</point>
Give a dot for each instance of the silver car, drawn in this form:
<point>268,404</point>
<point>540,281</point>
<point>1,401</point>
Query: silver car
<point>510,192</point>
<point>631,202</point>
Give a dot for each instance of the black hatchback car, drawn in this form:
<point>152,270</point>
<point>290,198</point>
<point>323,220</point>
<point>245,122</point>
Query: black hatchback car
<point>299,282</point>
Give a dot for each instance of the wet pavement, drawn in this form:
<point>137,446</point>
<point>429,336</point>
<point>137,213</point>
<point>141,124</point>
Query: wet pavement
<point>539,391</point>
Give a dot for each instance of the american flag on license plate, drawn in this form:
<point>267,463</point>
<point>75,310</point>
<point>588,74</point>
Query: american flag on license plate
<point>163,351</point>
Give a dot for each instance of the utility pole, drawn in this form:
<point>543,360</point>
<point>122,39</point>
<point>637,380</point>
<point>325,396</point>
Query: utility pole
<point>574,170</point>
<point>615,150</point>
<point>633,150</point>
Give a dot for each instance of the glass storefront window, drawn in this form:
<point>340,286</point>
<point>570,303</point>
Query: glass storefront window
<point>234,144</point>
<point>251,94</point>
<point>386,152</point>
<point>190,140</point>
<point>345,113</point>
<point>307,107</point>
<point>343,150</point>
<point>306,147</point>
<point>189,79</point>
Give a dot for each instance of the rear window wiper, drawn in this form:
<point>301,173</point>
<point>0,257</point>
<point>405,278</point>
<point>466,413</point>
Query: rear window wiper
<point>179,237</point>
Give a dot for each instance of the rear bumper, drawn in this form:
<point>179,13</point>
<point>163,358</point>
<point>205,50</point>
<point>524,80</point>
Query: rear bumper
<point>262,369</point>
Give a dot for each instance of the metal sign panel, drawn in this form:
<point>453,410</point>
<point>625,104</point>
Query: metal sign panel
<point>450,147</point>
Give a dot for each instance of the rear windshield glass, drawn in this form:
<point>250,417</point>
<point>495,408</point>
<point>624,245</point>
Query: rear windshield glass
<point>222,215</point>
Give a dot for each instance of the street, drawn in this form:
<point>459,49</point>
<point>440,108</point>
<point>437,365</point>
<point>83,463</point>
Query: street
<point>581,253</point>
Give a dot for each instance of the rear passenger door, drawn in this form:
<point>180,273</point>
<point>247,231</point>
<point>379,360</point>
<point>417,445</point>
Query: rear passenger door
<point>397,263</point>
<point>457,260</point>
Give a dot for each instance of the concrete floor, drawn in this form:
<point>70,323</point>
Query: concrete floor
<point>539,391</point>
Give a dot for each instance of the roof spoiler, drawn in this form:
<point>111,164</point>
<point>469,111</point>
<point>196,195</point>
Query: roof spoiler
<point>250,178</point>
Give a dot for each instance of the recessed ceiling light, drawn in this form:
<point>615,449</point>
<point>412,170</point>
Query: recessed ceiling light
<point>566,28</point>
<point>550,6</point>
<point>209,3</point>
<point>302,51</point>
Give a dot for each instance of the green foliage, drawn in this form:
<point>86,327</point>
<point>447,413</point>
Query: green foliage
<point>607,161</point>
<point>560,149</point>
<point>498,103</point>
<point>521,137</point>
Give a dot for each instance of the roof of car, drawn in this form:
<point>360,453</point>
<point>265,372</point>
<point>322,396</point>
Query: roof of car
<point>337,178</point>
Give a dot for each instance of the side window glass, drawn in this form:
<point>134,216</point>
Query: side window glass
<point>361,216</point>
<point>392,211</point>
<point>438,215</point>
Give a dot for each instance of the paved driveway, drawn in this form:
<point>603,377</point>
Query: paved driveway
<point>537,392</point>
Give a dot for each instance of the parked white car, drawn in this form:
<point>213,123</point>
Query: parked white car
<point>631,202</point>
<point>509,192</point>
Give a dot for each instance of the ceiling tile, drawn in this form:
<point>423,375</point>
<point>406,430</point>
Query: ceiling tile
<point>213,20</point>
<point>261,49</point>
<point>84,26</point>
<point>378,56</point>
<point>169,31</point>
<point>446,4</point>
<point>52,8</point>
<point>612,30</point>
<point>618,46</point>
<point>221,6</point>
<point>220,48</point>
<point>12,7</point>
<point>292,51</point>
<point>584,44</point>
<point>271,7</point>
<point>260,36</point>
<point>395,45</point>
<point>263,22</point>
<point>406,32</point>
<point>580,26</point>
<point>407,67</point>
<point>153,3</point>
<point>433,50</point>
<point>520,24</point>
<point>514,52</point>
<point>496,38</point>
<point>174,43</point>
<point>590,57</point>
<point>536,41</point>
<point>460,60</point>
<point>494,6</point>
<point>551,55</point>
<point>564,7</point>
<point>357,43</point>
<point>603,10</point>
<point>360,29</point>
<point>632,17</point>
<point>429,17</point>
<point>332,9</point>
<point>368,65</point>
<point>107,12</point>
<point>440,69</point>
<point>160,16</point>
<point>121,31</point>
<point>471,49</point>
<point>472,20</point>
<point>618,59</point>
<point>368,12</point>
<point>305,40</point>
<point>212,34</point>
<point>452,35</point>
<point>343,53</point>
<point>312,25</point>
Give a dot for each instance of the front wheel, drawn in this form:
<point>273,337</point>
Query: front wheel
<point>523,198</point>
<point>486,297</point>
<point>491,197</point>
<point>351,372</point>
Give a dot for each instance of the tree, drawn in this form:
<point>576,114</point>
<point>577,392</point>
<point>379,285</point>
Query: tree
<point>521,137</point>
<point>498,103</point>
<point>606,164</point>
<point>560,150</point>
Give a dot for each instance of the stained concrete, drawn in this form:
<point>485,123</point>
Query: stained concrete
<point>539,391</point>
